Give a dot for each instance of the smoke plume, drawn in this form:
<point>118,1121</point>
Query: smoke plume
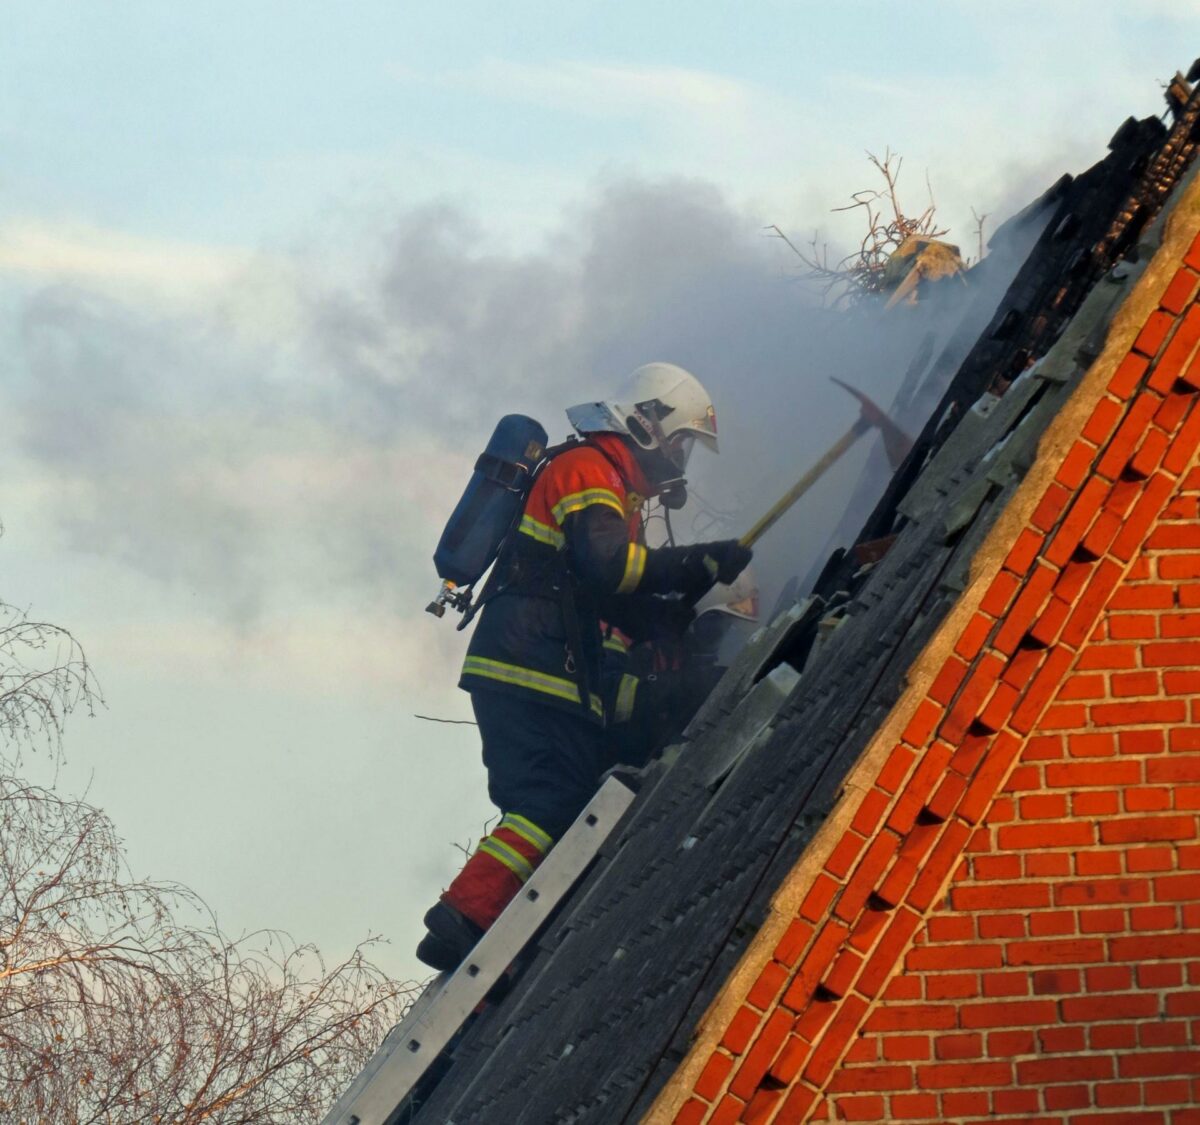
<point>261,457</point>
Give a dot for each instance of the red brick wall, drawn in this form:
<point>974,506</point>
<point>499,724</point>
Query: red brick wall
<point>1061,979</point>
<point>1050,776</point>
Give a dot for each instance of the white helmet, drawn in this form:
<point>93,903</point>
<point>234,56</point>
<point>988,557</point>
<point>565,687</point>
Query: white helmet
<point>737,599</point>
<point>660,407</point>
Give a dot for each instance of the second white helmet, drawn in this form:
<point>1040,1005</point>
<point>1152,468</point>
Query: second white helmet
<point>661,406</point>
<point>737,599</point>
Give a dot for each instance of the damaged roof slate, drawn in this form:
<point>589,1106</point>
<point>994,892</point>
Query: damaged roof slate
<point>600,1019</point>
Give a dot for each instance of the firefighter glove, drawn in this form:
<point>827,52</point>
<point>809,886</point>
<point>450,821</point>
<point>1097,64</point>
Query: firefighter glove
<point>709,563</point>
<point>693,571</point>
<point>668,618</point>
<point>647,617</point>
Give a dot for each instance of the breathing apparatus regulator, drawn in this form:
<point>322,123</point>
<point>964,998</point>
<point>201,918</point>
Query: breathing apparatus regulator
<point>663,410</point>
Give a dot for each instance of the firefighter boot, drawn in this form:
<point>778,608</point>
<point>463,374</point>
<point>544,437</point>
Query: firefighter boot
<point>491,879</point>
<point>450,938</point>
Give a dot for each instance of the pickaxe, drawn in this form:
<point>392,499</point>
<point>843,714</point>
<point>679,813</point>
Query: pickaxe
<point>896,444</point>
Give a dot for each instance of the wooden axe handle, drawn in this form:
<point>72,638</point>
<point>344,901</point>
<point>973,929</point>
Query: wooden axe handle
<point>805,482</point>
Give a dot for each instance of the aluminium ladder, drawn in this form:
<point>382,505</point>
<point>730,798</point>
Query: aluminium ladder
<point>379,1092</point>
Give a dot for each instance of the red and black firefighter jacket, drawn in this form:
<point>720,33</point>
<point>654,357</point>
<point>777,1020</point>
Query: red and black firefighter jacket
<point>577,560</point>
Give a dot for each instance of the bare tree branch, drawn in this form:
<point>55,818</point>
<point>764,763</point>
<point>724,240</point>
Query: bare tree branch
<point>121,1000</point>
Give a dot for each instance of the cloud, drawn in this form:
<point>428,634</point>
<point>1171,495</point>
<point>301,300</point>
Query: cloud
<point>606,89</point>
<point>372,656</point>
<point>78,252</point>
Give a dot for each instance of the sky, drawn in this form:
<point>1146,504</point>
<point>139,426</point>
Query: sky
<point>269,273</point>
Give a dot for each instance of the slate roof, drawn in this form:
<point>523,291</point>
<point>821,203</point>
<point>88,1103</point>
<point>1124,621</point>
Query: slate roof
<point>600,1020</point>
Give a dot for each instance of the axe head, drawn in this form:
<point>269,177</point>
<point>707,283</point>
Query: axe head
<point>896,443</point>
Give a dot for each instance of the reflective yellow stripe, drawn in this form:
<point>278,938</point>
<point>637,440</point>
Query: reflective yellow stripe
<point>527,677</point>
<point>510,857</point>
<point>615,644</point>
<point>543,533</point>
<point>577,501</point>
<point>527,830</point>
<point>626,692</point>
<point>635,565</point>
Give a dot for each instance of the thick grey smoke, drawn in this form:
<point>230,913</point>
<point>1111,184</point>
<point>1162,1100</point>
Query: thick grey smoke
<point>320,462</point>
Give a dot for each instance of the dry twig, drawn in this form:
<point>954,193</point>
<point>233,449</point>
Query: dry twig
<point>979,221</point>
<point>861,273</point>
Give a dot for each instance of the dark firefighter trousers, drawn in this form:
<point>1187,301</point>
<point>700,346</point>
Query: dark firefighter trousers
<point>543,762</point>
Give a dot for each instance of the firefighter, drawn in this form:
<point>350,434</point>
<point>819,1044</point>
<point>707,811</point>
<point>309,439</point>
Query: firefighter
<point>533,667</point>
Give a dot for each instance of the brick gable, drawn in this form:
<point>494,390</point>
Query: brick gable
<point>1054,752</point>
<point>1062,973</point>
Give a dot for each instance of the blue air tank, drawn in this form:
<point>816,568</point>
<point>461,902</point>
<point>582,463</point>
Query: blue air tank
<point>492,500</point>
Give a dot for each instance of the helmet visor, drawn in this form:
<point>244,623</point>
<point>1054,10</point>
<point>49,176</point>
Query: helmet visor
<point>594,418</point>
<point>678,448</point>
